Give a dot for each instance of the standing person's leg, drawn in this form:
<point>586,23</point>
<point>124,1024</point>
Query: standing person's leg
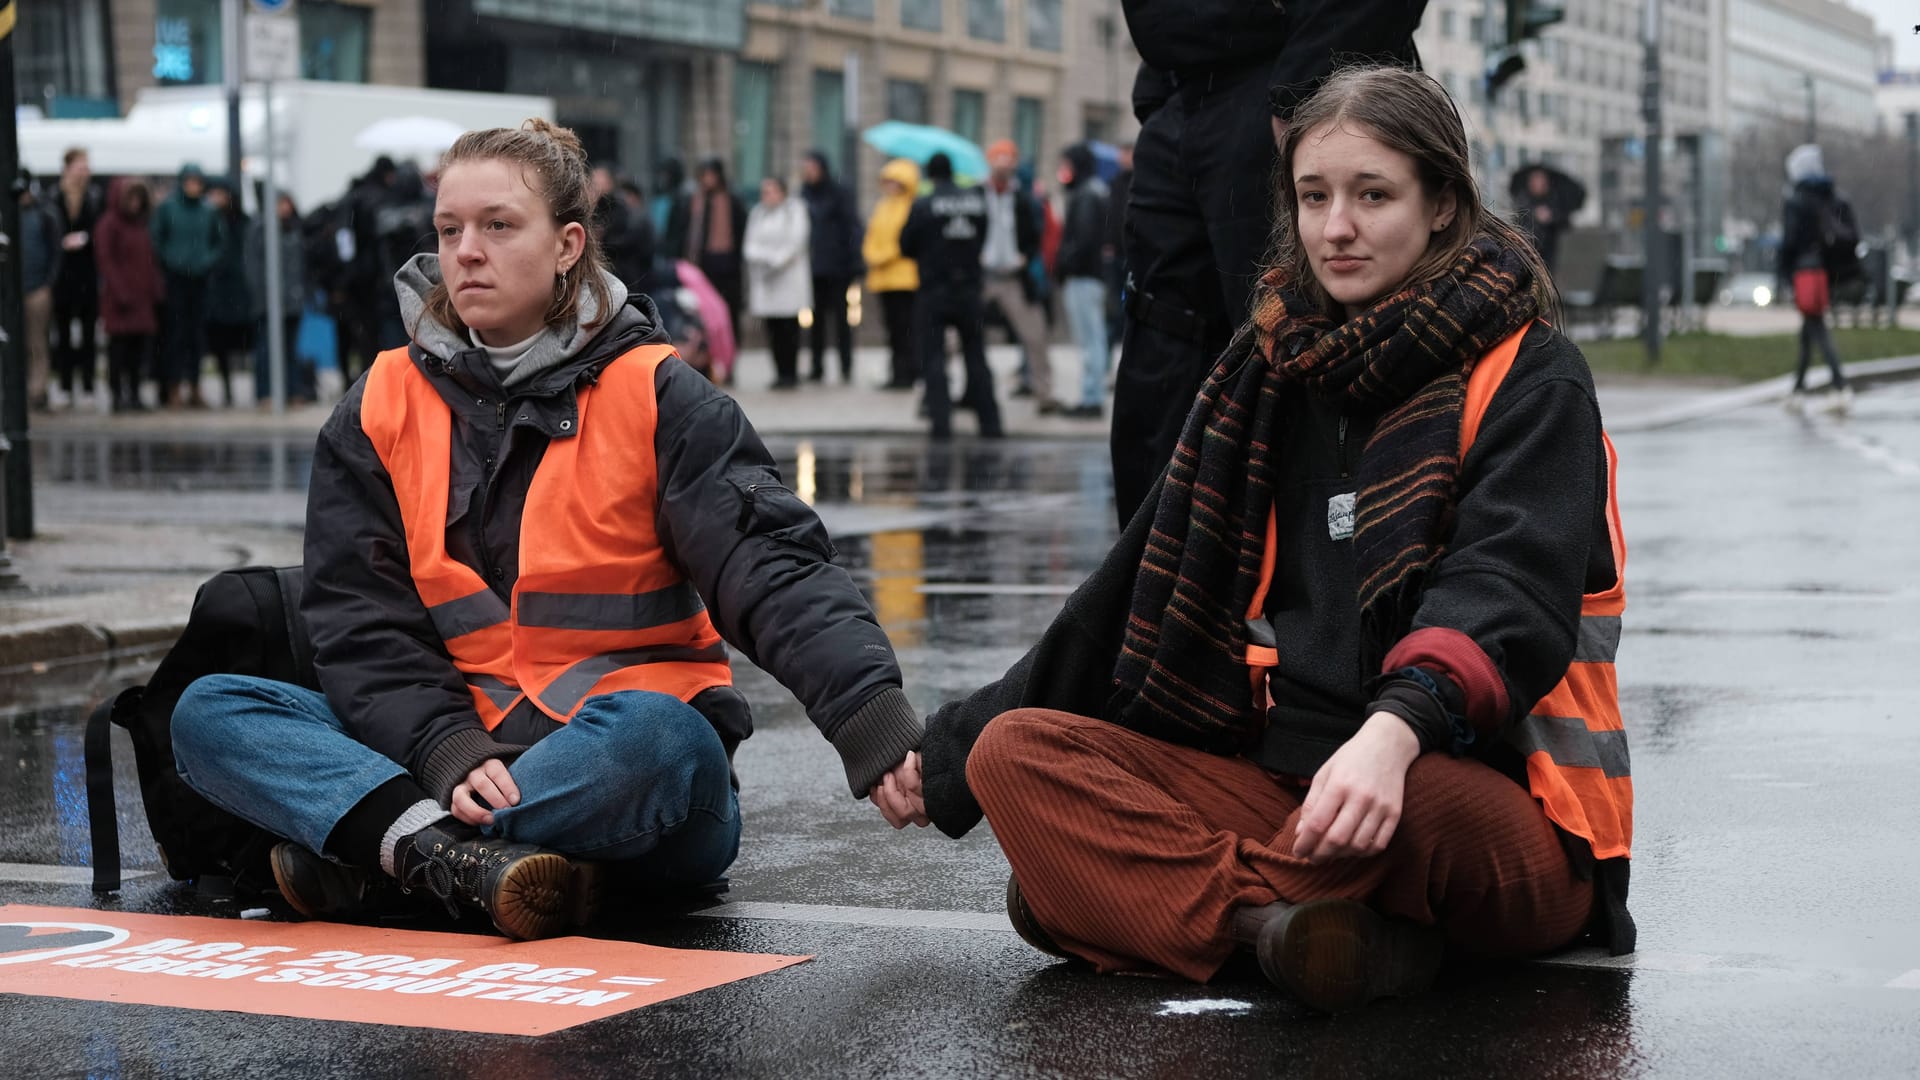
<point>1030,327</point>
<point>299,374</point>
<point>783,338</point>
<point>122,373</point>
<point>1086,299</point>
<point>898,308</point>
<point>38,309</point>
<point>1823,337</point>
<point>89,317</point>
<point>633,776</point>
<point>1806,354</point>
<point>65,363</point>
<point>817,333</point>
<point>930,320</point>
<point>1132,852</point>
<point>834,304</point>
<point>973,350</point>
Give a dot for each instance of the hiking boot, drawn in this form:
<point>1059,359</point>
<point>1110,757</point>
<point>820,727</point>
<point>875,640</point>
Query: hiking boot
<point>1022,919</point>
<point>1337,955</point>
<point>316,886</point>
<point>527,891</point>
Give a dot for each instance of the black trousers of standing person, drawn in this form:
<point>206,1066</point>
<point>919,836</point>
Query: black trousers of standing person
<point>1197,224</point>
<point>186,333</point>
<point>830,313</point>
<point>74,347</point>
<point>897,307</point>
<point>960,308</point>
<point>724,272</point>
<point>783,337</point>
<point>128,356</point>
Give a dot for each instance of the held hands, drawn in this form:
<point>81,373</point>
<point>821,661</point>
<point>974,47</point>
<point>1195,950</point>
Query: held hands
<point>1354,803</point>
<point>492,782</point>
<point>898,795</point>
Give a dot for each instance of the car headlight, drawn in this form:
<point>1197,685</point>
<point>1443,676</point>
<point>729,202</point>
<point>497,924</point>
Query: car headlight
<point>1762,296</point>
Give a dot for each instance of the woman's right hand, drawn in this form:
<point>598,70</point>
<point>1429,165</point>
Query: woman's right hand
<point>490,781</point>
<point>1353,806</point>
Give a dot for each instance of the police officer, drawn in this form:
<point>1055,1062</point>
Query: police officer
<point>944,234</point>
<point>1217,81</point>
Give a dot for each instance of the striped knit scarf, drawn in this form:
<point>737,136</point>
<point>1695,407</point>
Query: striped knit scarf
<point>1181,675</point>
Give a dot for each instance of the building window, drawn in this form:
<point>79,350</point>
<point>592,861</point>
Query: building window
<point>830,117</point>
<point>1029,126</point>
<point>1100,123</point>
<point>851,9</point>
<point>987,20</point>
<point>186,42</point>
<point>921,14</point>
<point>752,124</point>
<point>1044,25</point>
<point>906,101</point>
<point>1447,23</point>
<point>969,115</point>
<point>333,41</point>
<point>61,53</point>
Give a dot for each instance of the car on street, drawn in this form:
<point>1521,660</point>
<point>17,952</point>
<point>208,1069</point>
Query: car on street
<point>1751,289</point>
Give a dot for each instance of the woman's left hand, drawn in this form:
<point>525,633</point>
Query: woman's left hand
<point>1354,803</point>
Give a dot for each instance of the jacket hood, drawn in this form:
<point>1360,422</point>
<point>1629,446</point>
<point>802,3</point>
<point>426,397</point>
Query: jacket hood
<point>547,362</point>
<point>117,189</point>
<point>826,168</point>
<point>902,172</point>
<point>1080,162</point>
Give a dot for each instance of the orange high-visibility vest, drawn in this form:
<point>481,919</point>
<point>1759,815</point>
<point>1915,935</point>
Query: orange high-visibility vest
<point>1573,740</point>
<point>598,606</point>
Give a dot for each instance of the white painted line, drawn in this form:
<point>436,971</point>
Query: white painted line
<point>862,916</point>
<point>1874,452</point>
<point>991,589</point>
<point>1203,1005</point>
<point>35,874</point>
<point>1909,981</point>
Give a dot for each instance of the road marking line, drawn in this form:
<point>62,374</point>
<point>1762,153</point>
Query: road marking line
<point>35,874</point>
<point>1203,1005</point>
<point>1909,981</point>
<point>1875,452</point>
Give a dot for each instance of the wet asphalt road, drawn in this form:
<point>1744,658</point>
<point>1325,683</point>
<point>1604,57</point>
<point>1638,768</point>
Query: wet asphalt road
<point>1766,679</point>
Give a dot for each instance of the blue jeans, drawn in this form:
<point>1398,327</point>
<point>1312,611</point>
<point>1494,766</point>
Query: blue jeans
<point>634,776</point>
<point>1086,300</point>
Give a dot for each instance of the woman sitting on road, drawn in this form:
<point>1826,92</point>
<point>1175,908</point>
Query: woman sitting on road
<point>1342,692</point>
<point>527,534</point>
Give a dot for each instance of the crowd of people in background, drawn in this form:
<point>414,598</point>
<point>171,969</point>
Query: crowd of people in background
<point>174,274</point>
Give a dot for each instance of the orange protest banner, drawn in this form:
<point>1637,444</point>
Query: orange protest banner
<point>358,974</point>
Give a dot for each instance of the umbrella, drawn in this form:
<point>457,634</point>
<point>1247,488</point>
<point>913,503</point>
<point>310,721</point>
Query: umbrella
<point>1565,194</point>
<point>918,142</point>
<point>409,136</point>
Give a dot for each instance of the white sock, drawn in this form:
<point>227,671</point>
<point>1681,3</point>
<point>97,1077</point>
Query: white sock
<point>418,816</point>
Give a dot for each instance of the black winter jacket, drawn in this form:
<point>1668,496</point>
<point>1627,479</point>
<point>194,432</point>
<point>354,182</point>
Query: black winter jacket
<point>758,556</point>
<point>1083,237</point>
<point>836,229</point>
<point>944,233</point>
<point>1303,40</point>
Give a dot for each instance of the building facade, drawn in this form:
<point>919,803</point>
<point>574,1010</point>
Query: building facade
<point>1812,62</point>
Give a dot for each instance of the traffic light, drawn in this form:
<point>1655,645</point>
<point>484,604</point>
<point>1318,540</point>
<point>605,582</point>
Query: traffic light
<point>1525,19</point>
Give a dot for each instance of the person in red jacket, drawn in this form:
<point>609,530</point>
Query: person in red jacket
<point>131,289</point>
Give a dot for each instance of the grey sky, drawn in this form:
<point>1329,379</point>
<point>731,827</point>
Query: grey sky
<point>1897,19</point>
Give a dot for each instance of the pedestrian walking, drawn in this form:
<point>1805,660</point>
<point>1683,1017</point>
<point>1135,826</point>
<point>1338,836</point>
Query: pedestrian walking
<point>1819,242</point>
<point>1014,224</point>
<point>77,206</point>
<point>131,290</point>
<point>301,387</point>
<point>188,237</point>
<point>892,276</point>
<point>527,692</point>
<point>777,250</point>
<point>230,291</point>
<point>714,225</point>
<point>1346,694</point>
<point>836,262</point>
<point>39,262</point>
<point>944,234</point>
<point>1217,79</point>
<point>1082,264</point>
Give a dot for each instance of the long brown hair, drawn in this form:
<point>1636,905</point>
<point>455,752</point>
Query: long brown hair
<point>555,165</point>
<point>1410,112</point>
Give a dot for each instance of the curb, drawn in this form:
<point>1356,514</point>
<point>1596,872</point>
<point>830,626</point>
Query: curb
<point>1865,372</point>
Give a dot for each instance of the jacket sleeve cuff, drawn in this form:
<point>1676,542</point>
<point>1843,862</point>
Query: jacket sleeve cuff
<point>1461,659</point>
<point>457,755</point>
<point>876,738</point>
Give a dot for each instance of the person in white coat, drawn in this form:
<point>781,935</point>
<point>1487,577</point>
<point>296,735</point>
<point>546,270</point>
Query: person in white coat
<point>779,274</point>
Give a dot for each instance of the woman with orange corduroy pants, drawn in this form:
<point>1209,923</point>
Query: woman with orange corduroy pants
<point>1342,694</point>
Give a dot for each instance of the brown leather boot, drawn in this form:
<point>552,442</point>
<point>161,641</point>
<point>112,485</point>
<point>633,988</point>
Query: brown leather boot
<point>1337,955</point>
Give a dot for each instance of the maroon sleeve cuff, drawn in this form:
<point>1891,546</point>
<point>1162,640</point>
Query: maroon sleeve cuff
<point>1460,658</point>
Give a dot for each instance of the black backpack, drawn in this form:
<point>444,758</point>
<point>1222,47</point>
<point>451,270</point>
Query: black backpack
<point>1839,239</point>
<point>243,622</point>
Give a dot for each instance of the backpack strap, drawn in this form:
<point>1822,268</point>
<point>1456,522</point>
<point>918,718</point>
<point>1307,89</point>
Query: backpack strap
<point>103,820</point>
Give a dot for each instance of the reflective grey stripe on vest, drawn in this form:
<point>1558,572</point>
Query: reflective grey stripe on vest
<point>610,611</point>
<point>497,691</point>
<point>1599,639</point>
<point>577,682</point>
<point>1568,742</point>
<point>457,618</point>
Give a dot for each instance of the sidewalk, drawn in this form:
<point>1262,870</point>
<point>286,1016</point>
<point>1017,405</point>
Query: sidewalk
<point>117,586</point>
